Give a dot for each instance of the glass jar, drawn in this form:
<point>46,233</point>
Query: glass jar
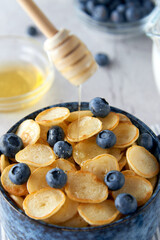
<point>122,30</point>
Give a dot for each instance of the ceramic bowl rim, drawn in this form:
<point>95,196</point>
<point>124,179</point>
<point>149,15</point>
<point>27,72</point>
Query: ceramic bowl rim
<point>87,229</point>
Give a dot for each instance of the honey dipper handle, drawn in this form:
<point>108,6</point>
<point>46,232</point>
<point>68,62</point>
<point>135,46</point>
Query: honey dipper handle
<point>39,18</point>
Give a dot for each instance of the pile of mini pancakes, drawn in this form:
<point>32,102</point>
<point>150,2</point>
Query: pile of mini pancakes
<point>85,200</point>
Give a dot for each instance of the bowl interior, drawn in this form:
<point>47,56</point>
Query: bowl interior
<point>73,106</point>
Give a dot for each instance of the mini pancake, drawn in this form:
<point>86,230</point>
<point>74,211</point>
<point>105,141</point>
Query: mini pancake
<point>18,201</point>
<point>87,149</point>
<point>99,213</point>
<point>72,143</point>
<point>119,216</point>
<point>43,132</point>
<point>122,162</point>
<point>128,173</point>
<point>37,155</point>
<point>29,132</point>
<point>110,121</point>
<point>32,168</point>
<point>142,161</point>
<point>64,126</point>
<point>134,144</point>
<point>116,152</point>
<point>77,222</point>
<point>12,160</point>
<point>127,167</point>
<point>85,128</point>
<point>101,165</point>
<point>42,141</point>
<point>11,188</point>
<point>85,187</point>
<point>37,179</point>
<point>153,181</point>
<point>123,118</point>
<point>79,114</point>
<point>66,212</point>
<point>63,164</point>
<point>126,134</point>
<point>4,162</point>
<point>43,203</point>
<point>137,186</point>
<point>52,116</point>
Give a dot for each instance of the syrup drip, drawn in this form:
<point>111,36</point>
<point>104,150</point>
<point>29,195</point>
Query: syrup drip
<point>79,106</point>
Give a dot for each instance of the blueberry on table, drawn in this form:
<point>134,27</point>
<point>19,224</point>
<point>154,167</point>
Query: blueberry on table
<point>126,203</point>
<point>63,149</point>
<point>106,139</point>
<point>99,107</point>
<point>114,180</point>
<point>100,13</point>
<point>19,173</point>
<point>10,144</point>
<point>102,59</point>
<point>54,135</point>
<point>32,31</point>
<point>56,178</point>
<point>145,140</point>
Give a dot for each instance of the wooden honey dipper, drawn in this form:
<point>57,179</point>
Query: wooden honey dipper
<point>70,56</point>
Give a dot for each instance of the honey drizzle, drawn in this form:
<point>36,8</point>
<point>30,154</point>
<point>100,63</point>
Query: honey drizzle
<point>79,106</point>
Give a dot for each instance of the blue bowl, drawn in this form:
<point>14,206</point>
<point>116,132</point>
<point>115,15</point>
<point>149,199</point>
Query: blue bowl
<point>139,226</point>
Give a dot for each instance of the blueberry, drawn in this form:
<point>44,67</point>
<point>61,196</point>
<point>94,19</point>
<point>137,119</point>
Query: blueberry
<point>114,180</point>
<point>100,13</point>
<point>113,5</point>
<point>32,31</point>
<point>99,107</point>
<point>145,140</point>
<point>54,135</point>
<point>82,1</point>
<point>102,59</point>
<point>106,139</point>
<point>117,17</point>
<point>56,178</point>
<point>63,149</point>
<point>158,137</point>
<point>104,1</point>
<point>10,144</point>
<point>126,203</point>
<point>134,3</point>
<point>133,14</point>
<point>121,8</point>
<point>19,173</point>
<point>90,5</point>
<point>148,5</point>
<point>82,6</point>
